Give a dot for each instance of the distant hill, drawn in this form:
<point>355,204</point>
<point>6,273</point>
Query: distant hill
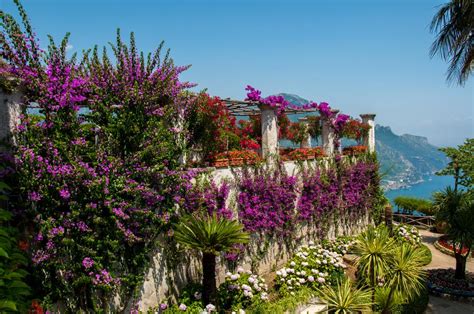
<point>404,159</point>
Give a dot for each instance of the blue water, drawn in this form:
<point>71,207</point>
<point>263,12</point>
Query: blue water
<point>423,190</point>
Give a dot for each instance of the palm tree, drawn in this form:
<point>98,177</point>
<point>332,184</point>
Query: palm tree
<point>344,298</point>
<point>210,235</point>
<point>454,28</point>
<point>456,207</point>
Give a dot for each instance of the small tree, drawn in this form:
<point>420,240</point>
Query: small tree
<point>210,235</point>
<point>461,166</point>
<point>457,209</point>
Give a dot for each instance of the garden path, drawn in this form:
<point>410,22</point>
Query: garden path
<point>440,260</point>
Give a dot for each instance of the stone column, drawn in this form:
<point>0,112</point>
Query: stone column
<point>369,140</point>
<point>328,137</point>
<point>307,140</point>
<point>269,131</point>
<point>10,111</point>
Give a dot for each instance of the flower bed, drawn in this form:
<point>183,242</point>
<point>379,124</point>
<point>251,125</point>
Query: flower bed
<point>303,153</point>
<point>443,244</point>
<point>442,282</point>
<point>235,158</point>
<point>354,150</point>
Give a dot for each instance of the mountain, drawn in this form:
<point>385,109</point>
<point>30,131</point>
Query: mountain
<point>404,159</point>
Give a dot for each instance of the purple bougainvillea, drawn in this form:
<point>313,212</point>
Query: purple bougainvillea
<point>266,201</point>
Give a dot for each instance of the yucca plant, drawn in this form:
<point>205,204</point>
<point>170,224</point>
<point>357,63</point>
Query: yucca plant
<point>406,276</point>
<point>374,248</point>
<point>210,235</point>
<point>386,300</point>
<point>344,298</point>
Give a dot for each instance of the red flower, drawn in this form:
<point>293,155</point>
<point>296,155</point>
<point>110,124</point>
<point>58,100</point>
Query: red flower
<point>35,308</point>
<point>23,245</point>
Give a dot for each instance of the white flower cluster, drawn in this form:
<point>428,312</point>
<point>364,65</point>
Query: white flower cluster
<point>341,245</point>
<point>248,284</point>
<point>311,266</point>
<point>408,233</point>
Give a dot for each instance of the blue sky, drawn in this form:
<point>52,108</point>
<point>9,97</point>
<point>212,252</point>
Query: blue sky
<point>359,56</point>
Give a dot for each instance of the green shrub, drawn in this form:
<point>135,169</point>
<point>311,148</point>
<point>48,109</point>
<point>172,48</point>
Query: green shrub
<point>410,204</point>
<point>426,253</point>
<point>418,305</point>
<point>14,291</point>
<point>310,267</point>
<point>286,304</point>
<point>408,234</point>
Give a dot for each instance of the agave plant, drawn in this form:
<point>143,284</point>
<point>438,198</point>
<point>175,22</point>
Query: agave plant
<point>210,235</point>
<point>344,298</point>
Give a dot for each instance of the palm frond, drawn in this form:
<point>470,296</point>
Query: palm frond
<point>454,28</point>
<point>210,234</point>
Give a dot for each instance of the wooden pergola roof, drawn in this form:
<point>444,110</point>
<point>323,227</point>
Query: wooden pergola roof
<point>250,108</point>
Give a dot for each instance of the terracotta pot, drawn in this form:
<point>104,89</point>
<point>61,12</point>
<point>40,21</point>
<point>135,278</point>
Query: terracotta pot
<point>219,163</point>
<point>236,161</point>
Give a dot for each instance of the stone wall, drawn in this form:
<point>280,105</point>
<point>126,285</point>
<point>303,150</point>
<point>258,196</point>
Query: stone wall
<point>162,283</point>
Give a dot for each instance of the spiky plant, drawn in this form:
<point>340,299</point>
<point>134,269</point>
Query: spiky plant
<point>210,235</point>
<point>344,298</point>
<point>453,25</point>
<point>406,276</point>
<point>386,300</point>
<point>374,248</point>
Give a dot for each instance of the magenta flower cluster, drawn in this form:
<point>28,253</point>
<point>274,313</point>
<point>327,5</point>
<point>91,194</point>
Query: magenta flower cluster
<point>281,104</point>
<point>266,201</point>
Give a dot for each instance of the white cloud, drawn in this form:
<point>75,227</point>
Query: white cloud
<point>69,47</point>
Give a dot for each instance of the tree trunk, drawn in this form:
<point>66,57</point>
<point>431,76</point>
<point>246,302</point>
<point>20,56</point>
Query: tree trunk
<point>460,266</point>
<point>208,277</point>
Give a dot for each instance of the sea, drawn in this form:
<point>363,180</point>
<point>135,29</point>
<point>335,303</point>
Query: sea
<point>424,189</point>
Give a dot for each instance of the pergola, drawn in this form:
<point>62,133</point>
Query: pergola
<point>270,125</point>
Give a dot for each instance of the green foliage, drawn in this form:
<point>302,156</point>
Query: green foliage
<point>456,207</point>
<point>410,204</point>
<point>428,256</point>
<point>385,300</point>
<point>418,305</point>
<point>393,271</point>
<point>453,25</point>
<point>311,267</point>
<point>14,291</point>
<point>209,234</point>
<point>241,290</point>
<point>191,297</point>
<point>375,249</point>
<point>406,275</point>
<point>407,234</point>
<point>286,304</point>
<point>461,165</point>
<point>345,298</point>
